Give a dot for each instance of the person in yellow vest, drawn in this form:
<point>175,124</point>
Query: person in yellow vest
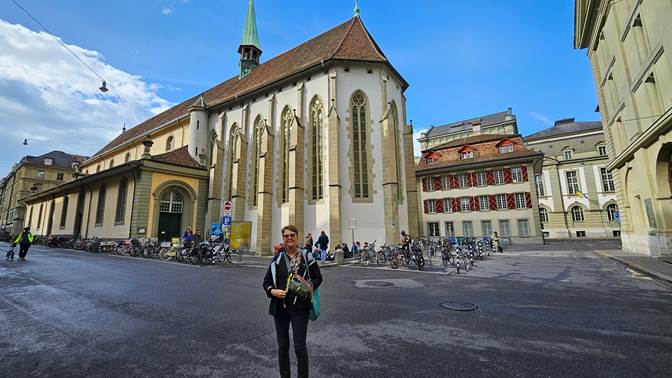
<point>24,240</point>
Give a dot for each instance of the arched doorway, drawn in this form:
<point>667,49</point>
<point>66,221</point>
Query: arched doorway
<point>171,206</point>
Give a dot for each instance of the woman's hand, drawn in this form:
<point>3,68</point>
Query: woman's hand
<point>280,294</point>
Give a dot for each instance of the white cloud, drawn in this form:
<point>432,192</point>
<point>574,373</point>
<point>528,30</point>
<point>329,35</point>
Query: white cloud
<point>166,10</point>
<point>50,98</point>
<point>541,118</point>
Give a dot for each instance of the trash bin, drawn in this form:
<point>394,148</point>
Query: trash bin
<point>339,258</point>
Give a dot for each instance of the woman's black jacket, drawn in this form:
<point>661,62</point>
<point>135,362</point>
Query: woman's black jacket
<point>276,278</point>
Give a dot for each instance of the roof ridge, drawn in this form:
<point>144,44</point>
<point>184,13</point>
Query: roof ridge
<point>375,46</point>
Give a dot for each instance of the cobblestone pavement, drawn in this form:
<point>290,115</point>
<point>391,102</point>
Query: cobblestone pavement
<point>555,310</point>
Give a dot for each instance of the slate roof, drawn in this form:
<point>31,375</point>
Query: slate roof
<point>60,159</point>
<point>347,41</point>
<point>563,127</point>
<point>477,160</point>
<point>466,124</point>
<point>179,156</point>
<point>471,140</point>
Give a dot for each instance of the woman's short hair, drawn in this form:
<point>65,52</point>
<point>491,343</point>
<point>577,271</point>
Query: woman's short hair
<point>290,227</point>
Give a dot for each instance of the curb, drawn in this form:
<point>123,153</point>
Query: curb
<point>638,268</point>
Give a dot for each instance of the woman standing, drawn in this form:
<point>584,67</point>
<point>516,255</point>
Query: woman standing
<point>285,307</point>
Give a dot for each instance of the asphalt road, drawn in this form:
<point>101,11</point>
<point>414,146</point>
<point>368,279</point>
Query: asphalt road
<point>556,310</point>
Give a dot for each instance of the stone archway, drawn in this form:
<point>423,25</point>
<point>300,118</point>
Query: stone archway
<point>664,171</point>
<point>174,206</point>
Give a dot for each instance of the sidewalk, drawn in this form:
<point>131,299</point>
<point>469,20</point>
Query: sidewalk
<point>654,267</point>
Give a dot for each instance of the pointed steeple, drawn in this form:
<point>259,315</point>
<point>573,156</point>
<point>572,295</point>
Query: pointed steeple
<point>250,48</point>
<point>356,8</point>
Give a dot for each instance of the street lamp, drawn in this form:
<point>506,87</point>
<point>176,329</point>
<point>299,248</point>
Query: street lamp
<point>25,142</point>
<point>103,88</point>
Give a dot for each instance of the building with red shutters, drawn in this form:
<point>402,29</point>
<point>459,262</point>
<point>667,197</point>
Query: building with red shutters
<point>480,184</point>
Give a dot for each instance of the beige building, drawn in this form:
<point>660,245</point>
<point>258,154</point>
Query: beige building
<point>629,43</point>
<point>480,184</point>
<point>576,191</point>
<point>496,123</point>
<point>32,174</point>
<point>296,139</point>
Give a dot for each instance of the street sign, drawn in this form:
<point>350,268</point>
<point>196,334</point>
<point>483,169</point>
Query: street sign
<point>226,220</point>
<point>228,206</point>
<point>617,216</point>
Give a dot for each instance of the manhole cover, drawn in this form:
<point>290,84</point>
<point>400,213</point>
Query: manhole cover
<point>458,306</point>
<point>379,283</point>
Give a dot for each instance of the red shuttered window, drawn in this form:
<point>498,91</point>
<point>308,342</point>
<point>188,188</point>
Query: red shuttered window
<point>456,204</point>
<point>424,184</point>
<point>437,183</point>
<point>425,205</point>
<point>490,177</point>
<point>507,176</point>
<point>453,182</point>
<point>510,201</point>
<point>439,206</point>
<point>474,204</point>
<point>524,170</point>
<point>492,201</point>
<point>528,200</point>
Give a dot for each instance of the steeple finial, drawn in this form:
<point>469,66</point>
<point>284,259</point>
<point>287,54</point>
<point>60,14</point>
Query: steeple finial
<point>250,36</point>
<point>356,8</point>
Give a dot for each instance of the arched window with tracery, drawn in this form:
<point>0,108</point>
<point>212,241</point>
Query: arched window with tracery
<point>360,141</point>
<point>285,132</point>
<point>316,152</point>
<point>127,158</point>
<point>120,213</point>
<point>543,215</point>
<point>258,135</point>
<point>577,214</point>
<point>233,145</point>
<point>171,202</point>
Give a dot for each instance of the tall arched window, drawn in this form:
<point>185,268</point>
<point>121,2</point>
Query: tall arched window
<point>612,210</point>
<point>359,145</point>
<point>170,143</point>
<point>111,163</point>
<point>121,202</point>
<point>39,218</point>
<point>64,212</point>
<point>234,139</point>
<point>577,214</point>
<point>397,153</point>
<point>257,141</point>
<point>100,209</point>
<point>543,215</point>
<point>316,153</point>
<point>285,131</point>
<point>127,158</point>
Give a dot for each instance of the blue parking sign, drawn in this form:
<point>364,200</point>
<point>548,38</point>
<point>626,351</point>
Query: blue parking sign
<point>226,220</point>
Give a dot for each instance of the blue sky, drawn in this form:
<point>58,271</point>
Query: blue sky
<point>462,59</point>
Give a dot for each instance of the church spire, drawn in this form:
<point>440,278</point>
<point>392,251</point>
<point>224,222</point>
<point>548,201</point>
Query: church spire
<point>250,48</point>
<point>356,8</point>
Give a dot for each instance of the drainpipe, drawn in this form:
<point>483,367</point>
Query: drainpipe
<point>130,222</point>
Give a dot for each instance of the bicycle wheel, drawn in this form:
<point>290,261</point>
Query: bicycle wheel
<point>227,257</point>
<point>195,257</point>
<point>421,262</point>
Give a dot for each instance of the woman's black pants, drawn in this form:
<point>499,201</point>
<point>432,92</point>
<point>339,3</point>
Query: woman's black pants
<point>299,322</point>
<point>23,250</point>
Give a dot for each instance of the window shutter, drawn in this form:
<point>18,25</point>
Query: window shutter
<point>425,205</point>
<point>456,204</point>
<point>507,176</point>
<point>424,185</point>
<point>438,205</point>
<point>475,206</point>
<point>492,200</point>
<point>437,183</point>
<point>524,170</point>
<point>490,177</point>
<point>453,182</point>
<point>510,200</point>
<point>528,200</point>
<point>472,179</point>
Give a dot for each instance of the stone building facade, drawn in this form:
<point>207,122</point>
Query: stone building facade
<point>629,45</point>
<point>576,191</point>
<point>32,174</point>
<point>296,139</point>
<point>480,184</point>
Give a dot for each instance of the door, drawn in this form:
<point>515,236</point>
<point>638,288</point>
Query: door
<point>79,214</point>
<point>169,226</point>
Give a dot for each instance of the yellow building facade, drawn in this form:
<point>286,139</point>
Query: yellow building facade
<point>629,43</point>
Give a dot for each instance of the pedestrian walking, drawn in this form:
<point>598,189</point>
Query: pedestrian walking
<point>308,242</point>
<point>24,240</point>
<point>323,245</point>
<point>291,306</point>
